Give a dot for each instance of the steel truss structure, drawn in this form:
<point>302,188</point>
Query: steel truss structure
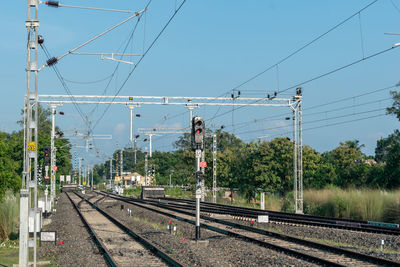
<point>294,103</point>
<point>28,193</point>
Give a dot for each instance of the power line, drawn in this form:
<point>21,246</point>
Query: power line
<point>329,125</point>
<point>279,116</point>
<point>140,60</point>
<point>320,76</point>
<point>304,46</point>
<point>308,122</point>
<point>338,69</point>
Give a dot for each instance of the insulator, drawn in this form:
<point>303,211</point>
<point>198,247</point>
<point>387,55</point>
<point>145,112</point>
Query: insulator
<point>275,93</point>
<point>51,61</point>
<point>52,3</point>
<point>232,96</point>
<point>298,91</point>
<point>40,39</point>
<point>238,93</point>
<point>268,96</point>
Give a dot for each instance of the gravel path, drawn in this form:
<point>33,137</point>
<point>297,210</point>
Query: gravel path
<point>78,248</point>
<point>221,250</point>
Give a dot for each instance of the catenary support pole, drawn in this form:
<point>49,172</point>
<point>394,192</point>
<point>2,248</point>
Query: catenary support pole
<point>111,183</point>
<point>30,160</point>
<point>121,162</point>
<point>135,151</point>
<point>214,167</point>
<point>145,167</point>
<point>295,158</point>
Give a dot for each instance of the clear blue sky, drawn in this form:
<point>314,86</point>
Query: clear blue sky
<point>208,49</point>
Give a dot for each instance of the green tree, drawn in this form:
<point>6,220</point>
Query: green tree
<point>9,179</point>
<point>348,161</point>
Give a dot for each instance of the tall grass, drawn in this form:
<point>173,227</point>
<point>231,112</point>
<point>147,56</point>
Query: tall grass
<point>9,217</point>
<point>365,204</point>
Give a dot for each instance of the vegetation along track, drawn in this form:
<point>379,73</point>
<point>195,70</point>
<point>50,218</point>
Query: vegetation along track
<point>300,219</point>
<point>307,250</point>
<point>119,244</point>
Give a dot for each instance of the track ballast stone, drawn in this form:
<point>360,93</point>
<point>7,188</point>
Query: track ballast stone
<point>221,250</point>
<point>78,249</point>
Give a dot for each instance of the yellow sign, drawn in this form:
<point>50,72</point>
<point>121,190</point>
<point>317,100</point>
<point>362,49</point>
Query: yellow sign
<point>31,146</point>
<point>84,183</point>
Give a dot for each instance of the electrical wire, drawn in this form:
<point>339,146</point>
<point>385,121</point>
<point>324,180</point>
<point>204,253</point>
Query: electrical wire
<point>279,116</point>
<point>316,77</point>
<point>315,121</point>
<point>66,88</point>
<point>328,125</point>
<point>140,60</point>
<point>305,46</point>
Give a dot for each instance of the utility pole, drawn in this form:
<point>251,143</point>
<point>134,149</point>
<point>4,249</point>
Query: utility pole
<point>298,152</point>
<point>121,161</point>
<point>145,166</point>
<point>135,149</point>
<point>29,183</point>
<point>80,171</point>
<point>75,170</point>
<point>53,152</point>
<point>92,180</point>
<point>170,180</point>
<point>214,167</point>
<point>111,159</point>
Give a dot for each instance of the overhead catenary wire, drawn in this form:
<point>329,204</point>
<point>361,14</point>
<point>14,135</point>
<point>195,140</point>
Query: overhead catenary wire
<point>315,121</point>
<point>327,125</point>
<point>140,60</point>
<point>280,116</point>
<point>297,51</point>
<point>317,77</point>
<point>304,46</point>
<point>66,88</point>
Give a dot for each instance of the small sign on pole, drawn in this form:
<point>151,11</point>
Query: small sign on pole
<point>55,168</point>
<point>68,178</point>
<point>61,178</point>
<point>203,164</point>
<point>31,146</point>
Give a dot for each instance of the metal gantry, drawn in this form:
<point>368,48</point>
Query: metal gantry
<point>294,103</point>
<point>159,131</point>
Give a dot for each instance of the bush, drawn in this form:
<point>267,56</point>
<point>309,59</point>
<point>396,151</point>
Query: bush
<point>372,205</point>
<point>9,216</point>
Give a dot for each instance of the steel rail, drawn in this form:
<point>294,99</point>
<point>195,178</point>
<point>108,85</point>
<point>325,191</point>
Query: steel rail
<point>332,249</point>
<point>146,243</point>
<point>346,224</point>
<point>106,254</point>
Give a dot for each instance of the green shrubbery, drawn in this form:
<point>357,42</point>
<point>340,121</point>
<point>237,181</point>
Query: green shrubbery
<point>366,204</point>
<point>9,221</point>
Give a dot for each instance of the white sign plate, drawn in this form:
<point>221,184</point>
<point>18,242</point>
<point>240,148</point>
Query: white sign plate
<point>48,236</point>
<point>263,219</point>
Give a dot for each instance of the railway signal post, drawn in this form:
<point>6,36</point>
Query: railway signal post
<point>198,132</point>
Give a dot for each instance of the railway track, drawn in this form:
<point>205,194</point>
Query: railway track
<point>119,244</point>
<point>310,251</point>
<point>280,217</point>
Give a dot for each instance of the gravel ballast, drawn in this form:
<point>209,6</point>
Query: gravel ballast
<point>220,251</point>
<point>78,249</point>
